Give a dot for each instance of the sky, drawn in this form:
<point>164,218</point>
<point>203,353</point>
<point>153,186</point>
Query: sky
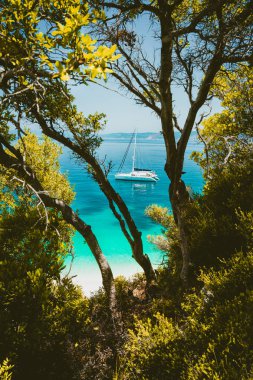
<point>123,114</point>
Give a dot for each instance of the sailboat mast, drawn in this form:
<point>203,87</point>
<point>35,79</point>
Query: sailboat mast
<point>134,152</point>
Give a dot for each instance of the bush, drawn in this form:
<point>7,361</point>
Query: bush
<point>213,340</point>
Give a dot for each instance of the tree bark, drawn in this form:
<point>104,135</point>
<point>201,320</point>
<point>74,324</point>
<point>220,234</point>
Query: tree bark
<point>177,190</point>
<point>175,152</point>
<point>180,200</point>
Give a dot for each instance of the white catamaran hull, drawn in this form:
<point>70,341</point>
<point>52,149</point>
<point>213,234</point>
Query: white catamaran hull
<point>133,177</point>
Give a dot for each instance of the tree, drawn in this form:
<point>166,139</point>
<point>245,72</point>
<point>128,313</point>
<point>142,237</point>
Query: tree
<point>216,219</point>
<point>196,39</point>
<point>204,337</point>
<point>43,315</point>
<point>36,63</point>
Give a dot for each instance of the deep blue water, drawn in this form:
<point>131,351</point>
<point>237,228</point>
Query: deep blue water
<point>93,206</point>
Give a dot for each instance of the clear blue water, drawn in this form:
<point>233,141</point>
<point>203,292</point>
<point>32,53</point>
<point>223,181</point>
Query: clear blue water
<point>93,206</point>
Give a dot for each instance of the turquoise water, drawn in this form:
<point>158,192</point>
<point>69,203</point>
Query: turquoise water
<point>93,207</point>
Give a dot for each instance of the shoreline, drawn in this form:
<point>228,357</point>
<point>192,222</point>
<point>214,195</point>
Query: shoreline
<point>86,273</point>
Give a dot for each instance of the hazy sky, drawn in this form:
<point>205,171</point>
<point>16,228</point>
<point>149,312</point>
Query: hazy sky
<point>123,114</point>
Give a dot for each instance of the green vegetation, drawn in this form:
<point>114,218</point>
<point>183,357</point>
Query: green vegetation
<point>211,337</point>
<point>193,319</point>
<point>194,43</point>
<point>207,331</point>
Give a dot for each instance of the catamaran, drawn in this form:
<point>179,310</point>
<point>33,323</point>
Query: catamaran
<point>136,174</point>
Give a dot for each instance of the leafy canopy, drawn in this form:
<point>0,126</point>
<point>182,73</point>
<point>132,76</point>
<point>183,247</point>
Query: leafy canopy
<point>49,35</point>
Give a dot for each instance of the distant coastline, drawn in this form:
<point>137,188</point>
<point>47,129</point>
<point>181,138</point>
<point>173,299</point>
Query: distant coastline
<point>142,136</point>
<point>127,135</point>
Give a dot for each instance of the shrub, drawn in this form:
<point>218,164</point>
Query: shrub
<point>212,340</point>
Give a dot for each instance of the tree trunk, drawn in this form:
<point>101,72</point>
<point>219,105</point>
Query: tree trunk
<point>180,198</point>
<point>177,191</point>
<point>175,151</point>
<point>136,240</point>
<point>85,230</point>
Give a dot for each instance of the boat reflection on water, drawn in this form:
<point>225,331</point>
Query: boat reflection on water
<point>143,187</point>
<point>136,174</point>
<point>136,189</point>
<point>144,190</point>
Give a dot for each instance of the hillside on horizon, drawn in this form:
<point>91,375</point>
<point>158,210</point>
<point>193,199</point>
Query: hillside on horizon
<point>142,135</point>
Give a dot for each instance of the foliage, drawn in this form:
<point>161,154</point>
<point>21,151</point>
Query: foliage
<point>169,241</point>
<point>5,368</point>
<point>20,202</point>
<point>227,164</point>
<point>216,219</point>
<point>234,90</point>
<point>207,332</point>
<point>43,158</point>
<point>228,134</point>
<point>42,317</point>
<point>50,35</point>
<point>209,341</point>
<point>43,46</point>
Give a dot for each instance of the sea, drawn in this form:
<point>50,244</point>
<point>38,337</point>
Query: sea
<point>93,208</point>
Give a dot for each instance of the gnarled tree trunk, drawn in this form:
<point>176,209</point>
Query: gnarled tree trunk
<point>180,198</point>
